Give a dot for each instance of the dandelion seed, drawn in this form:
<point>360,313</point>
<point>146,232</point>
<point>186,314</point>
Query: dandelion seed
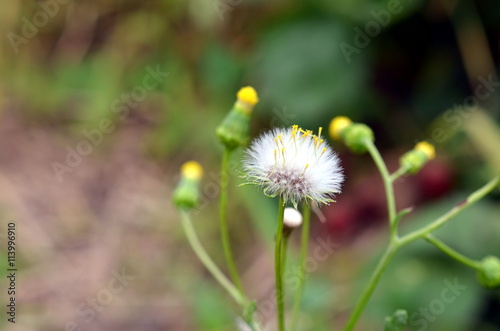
<point>307,170</point>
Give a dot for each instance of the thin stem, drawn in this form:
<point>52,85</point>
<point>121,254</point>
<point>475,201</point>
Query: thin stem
<point>389,191</point>
<point>278,259</point>
<point>207,261</point>
<point>394,243</point>
<point>402,214</point>
<point>398,173</point>
<point>452,253</point>
<point>248,315</point>
<point>424,232</point>
<point>286,237</point>
<point>471,199</point>
<point>223,221</point>
<point>304,245</point>
<point>215,271</point>
<point>372,283</point>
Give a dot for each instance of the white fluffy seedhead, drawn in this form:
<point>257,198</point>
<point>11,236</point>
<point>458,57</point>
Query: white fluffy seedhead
<point>295,164</point>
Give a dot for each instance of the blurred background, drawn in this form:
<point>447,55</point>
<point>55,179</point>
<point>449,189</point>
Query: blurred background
<point>102,101</point>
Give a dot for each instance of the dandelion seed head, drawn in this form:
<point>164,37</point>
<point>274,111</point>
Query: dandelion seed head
<point>295,164</point>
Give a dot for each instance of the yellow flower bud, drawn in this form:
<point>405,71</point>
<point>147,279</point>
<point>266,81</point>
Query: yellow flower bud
<point>192,170</point>
<point>427,148</point>
<point>233,132</point>
<point>248,94</point>
<point>186,194</point>
<point>415,159</point>
<point>337,125</point>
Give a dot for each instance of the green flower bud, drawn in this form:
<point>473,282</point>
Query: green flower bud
<point>233,132</point>
<point>415,159</point>
<point>356,135</point>
<point>186,194</point>
<point>489,272</point>
<point>397,321</point>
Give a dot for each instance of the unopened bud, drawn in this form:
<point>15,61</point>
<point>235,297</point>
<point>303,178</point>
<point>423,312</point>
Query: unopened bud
<point>292,218</point>
<point>356,135</point>
<point>337,125</point>
<point>426,148</point>
<point>397,321</point>
<point>186,194</point>
<point>489,272</point>
<point>415,159</point>
<point>233,132</point>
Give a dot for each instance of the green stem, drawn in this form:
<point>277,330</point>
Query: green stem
<point>402,214</point>
<point>284,251</point>
<point>452,253</point>
<point>207,261</point>
<point>304,245</point>
<point>471,199</point>
<point>223,221</point>
<point>278,259</point>
<point>372,283</point>
<point>386,178</point>
<point>398,173</point>
<point>397,244</point>
<point>215,271</point>
<point>248,315</point>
